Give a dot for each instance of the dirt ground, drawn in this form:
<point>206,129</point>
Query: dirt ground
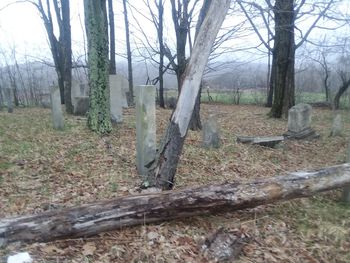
<point>43,169</point>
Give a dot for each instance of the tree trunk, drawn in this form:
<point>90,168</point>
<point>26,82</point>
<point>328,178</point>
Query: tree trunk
<point>99,119</point>
<point>161,53</point>
<point>345,85</point>
<point>66,43</point>
<point>112,66</point>
<point>91,219</point>
<point>271,84</point>
<point>195,123</point>
<point>284,49</point>
<point>162,170</point>
<point>128,49</point>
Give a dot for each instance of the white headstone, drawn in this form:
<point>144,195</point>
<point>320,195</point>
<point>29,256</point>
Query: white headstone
<point>116,98</point>
<point>299,118</point>
<point>56,109</point>
<point>145,126</point>
<point>337,126</point>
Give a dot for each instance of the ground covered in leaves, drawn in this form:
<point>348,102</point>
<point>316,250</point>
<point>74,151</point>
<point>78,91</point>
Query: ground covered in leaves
<point>43,169</point>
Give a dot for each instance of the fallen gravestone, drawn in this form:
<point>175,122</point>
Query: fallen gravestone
<point>266,141</point>
<point>337,126</point>
<point>211,133</point>
<point>56,109</point>
<point>145,127</point>
<point>346,191</point>
<point>299,123</point>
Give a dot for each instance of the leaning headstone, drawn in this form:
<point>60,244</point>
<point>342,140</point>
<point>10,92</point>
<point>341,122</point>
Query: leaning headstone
<point>299,122</point>
<point>57,115</point>
<point>145,127</point>
<point>337,126</point>
<point>116,98</point>
<point>211,133</point>
<point>9,96</point>
<point>346,191</point>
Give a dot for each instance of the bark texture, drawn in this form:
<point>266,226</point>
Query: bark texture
<point>112,65</point>
<point>99,119</point>
<point>97,217</point>
<point>283,59</point>
<point>163,169</point>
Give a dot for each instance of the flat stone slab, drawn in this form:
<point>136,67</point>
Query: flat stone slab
<point>267,141</point>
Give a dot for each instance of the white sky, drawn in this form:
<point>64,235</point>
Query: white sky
<point>22,28</point>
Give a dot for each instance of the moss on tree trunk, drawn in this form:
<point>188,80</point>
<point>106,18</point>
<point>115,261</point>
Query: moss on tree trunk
<point>99,119</point>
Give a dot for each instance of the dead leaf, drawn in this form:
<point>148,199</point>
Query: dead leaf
<point>89,249</point>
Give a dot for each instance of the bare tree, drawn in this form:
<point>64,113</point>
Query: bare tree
<point>112,66</point>
<point>129,55</point>
<point>285,13</point>
<point>61,47</point>
<point>163,167</point>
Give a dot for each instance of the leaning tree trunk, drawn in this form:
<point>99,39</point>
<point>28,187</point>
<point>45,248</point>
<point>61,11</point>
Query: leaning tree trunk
<point>91,219</point>
<point>99,119</point>
<point>162,170</point>
<point>284,51</point>
<point>340,92</point>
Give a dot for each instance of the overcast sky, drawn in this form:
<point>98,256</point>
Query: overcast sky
<point>22,28</point>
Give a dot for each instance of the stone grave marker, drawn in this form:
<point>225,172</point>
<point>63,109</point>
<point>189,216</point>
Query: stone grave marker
<point>56,109</point>
<point>337,126</point>
<point>299,122</point>
<point>80,99</point>
<point>116,98</point>
<point>211,133</point>
<point>145,127</point>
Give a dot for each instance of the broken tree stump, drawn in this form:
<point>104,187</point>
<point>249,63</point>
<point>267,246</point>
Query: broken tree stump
<point>266,141</point>
<point>91,219</point>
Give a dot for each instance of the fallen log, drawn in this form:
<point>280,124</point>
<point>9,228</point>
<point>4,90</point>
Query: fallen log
<point>90,219</point>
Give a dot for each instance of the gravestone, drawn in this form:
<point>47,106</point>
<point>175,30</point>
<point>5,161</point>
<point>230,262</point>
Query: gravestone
<point>9,96</point>
<point>79,96</point>
<point>125,90</point>
<point>45,99</point>
<point>211,133</point>
<point>81,105</point>
<point>299,122</point>
<point>116,98</point>
<point>56,109</point>
<point>346,191</point>
<point>145,127</point>
<point>337,126</point>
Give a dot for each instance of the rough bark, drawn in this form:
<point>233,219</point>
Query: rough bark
<point>112,65</point>
<point>97,217</point>
<point>163,169</point>
<point>161,52</point>
<point>99,119</point>
<point>128,51</point>
<point>284,59</point>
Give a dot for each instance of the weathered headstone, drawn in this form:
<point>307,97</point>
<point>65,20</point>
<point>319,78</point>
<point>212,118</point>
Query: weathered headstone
<point>337,126</point>
<point>145,127</point>
<point>125,90</point>
<point>116,98</point>
<point>9,96</point>
<point>45,100</point>
<point>81,105</point>
<point>211,133</point>
<point>80,100</point>
<point>299,122</point>
<point>57,115</point>
<point>346,191</point>
<point>267,141</point>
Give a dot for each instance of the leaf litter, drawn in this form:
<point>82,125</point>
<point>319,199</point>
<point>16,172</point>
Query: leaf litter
<point>43,169</point>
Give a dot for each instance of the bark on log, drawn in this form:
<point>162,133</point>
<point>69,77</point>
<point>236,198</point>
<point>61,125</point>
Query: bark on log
<point>97,217</point>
